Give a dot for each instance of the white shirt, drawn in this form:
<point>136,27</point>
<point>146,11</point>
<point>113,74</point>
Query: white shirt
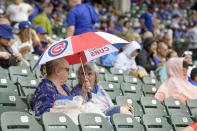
<point>19,12</point>
<point>192,36</point>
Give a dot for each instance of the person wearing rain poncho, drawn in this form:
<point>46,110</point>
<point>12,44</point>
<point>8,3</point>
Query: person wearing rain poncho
<point>126,59</point>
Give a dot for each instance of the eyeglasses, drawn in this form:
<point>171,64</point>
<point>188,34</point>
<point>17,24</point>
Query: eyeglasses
<point>67,69</point>
<point>187,53</point>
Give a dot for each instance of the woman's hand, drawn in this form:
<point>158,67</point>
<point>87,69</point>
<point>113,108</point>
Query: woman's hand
<point>127,109</point>
<point>5,55</point>
<point>85,88</point>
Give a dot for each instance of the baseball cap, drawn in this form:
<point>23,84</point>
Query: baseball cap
<point>25,24</point>
<point>41,30</point>
<point>187,53</point>
<point>186,64</point>
<point>6,31</point>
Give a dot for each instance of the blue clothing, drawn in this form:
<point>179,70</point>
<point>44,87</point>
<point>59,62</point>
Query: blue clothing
<point>191,81</point>
<point>46,94</point>
<point>34,14</point>
<point>109,59</point>
<point>82,16</point>
<point>163,16</point>
<point>161,73</point>
<point>148,20</point>
<point>118,28</point>
<point>157,61</point>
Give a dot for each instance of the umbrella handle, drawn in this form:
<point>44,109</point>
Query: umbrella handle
<point>88,93</point>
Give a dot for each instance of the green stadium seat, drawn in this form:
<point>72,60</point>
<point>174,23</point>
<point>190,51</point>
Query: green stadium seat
<point>27,85</point>
<point>112,89</point>
<point>122,100</point>
<point>11,102</point>
<point>74,83</point>
<point>175,106</point>
<point>116,71</point>
<point>19,121</point>
<point>16,71</point>
<point>192,104</point>
<point>131,89</point>
<point>153,106</point>
<point>103,70</point>
<point>156,123</point>
<point>29,102</point>
<point>3,73</point>
<point>58,122</point>
<point>101,77</point>
<point>113,78</point>
<point>149,81</point>
<point>149,90</point>
<point>72,76</point>
<point>31,57</point>
<point>32,64</point>
<point>7,86</point>
<point>94,122</point>
<point>125,122</point>
<point>131,79</point>
<point>180,121</point>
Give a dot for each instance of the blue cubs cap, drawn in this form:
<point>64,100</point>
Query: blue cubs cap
<point>6,31</point>
<point>41,30</point>
<point>25,24</point>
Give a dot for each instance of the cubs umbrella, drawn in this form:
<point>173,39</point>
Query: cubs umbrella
<point>88,46</point>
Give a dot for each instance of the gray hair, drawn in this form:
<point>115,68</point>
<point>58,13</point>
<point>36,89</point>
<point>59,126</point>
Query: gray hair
<point>92,66</point>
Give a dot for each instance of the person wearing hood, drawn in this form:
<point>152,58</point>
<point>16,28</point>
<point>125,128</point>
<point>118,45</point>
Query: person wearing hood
<point>126,59</point>
<point>145,57</point>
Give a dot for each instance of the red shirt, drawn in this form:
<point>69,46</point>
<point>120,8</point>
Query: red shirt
<point>194,126</point>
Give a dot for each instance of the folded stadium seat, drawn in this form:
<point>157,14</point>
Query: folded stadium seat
<point>112,89</point>
<point>175,106</point>
<point>29,102</point>
<point>11,102</point>
<point>7,86</point>
<point>58,122</point>
<point>19,121</point>
<point>27,85</point>
<point>31,57</point>
<point>116,71</point>
<point>180,121</point>
<point>131,89</point>
<point>153,106</point>
<point>192,105</point>
<point>103,70</point>
<point>69,84</point>
<point>114,78</point>
<point>149,81</point>
<point>16,72</point>
<point>125,122</point>
<point>131,79</point>
<point>149,90</point>
<point>38,75</point>
<point>32,64</point>
<point>94,122</point>
<point>156,123</point>
<point>122,100</point>
<point>72,76</point>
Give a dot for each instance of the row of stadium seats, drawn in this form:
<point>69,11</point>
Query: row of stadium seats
<point>18,121</point>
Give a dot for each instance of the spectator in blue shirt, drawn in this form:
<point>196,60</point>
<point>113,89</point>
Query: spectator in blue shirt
<point>146,20</point>
<point>80,18</point>
<point>162,50</point>
<point>119,24</point>
<point>52,87</point>
<point>162,15</point>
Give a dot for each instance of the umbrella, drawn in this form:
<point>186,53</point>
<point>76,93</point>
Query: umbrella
<point>88,46</point>
<point>81,48</point>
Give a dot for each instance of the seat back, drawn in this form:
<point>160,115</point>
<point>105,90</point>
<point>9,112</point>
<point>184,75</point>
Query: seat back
<point>58,121</point>
<point>192,104</point>
<point>156,123</point>
<point>122,100</point>
<point>180,121</point>
<point>152,106</point>
<point>113,78</point>
<point>94,122</point>
<point>175,106</point>
<point>11,102</point>
<point>125,122</point>
<point>128,89</point>
<point>19,121</point>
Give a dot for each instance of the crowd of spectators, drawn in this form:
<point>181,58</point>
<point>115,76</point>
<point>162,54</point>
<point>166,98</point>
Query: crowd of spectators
<point>151,26</point>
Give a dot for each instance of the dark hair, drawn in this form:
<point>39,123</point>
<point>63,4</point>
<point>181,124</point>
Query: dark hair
<point>193,73</point>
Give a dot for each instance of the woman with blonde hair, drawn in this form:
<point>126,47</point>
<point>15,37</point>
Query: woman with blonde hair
<point>26,38</point>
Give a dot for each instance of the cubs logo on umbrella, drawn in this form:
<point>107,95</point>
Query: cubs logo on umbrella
<point>89,45</point>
